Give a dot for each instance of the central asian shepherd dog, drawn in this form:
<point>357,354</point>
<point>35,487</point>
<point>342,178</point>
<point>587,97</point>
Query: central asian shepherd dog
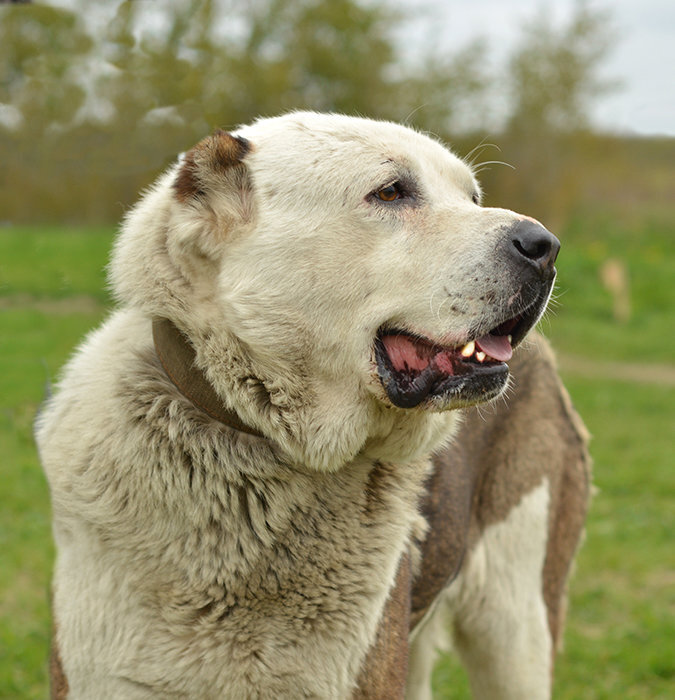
<point>270,470</point>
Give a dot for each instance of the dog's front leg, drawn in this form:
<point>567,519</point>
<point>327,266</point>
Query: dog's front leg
<point>501,629</point>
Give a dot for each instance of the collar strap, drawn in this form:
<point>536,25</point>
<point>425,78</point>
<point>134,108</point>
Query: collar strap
<point>177,357</point>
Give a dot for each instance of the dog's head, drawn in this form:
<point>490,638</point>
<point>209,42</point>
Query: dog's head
<point>350,265</point>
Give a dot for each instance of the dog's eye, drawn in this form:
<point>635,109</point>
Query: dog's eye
<point>475,198</point>
<point>390,193</point>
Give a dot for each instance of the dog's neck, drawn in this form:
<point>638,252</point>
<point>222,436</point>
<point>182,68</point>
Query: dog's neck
<point>177,357</point>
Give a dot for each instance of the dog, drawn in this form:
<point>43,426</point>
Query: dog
<point>269,473</point>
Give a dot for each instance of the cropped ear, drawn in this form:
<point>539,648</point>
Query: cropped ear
<point>214,159</point>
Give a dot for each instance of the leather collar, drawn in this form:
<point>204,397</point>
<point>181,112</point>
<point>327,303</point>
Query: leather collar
<point>177,357</point>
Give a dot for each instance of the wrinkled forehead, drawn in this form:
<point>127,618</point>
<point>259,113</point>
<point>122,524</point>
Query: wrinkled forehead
<point>324,148</point>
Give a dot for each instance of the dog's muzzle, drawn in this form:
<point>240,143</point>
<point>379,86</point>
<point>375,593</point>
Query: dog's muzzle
<point>415,371</point>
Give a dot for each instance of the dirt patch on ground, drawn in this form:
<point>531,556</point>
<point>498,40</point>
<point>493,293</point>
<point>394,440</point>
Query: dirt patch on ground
<point>78,304</point>
<point>646,373</point>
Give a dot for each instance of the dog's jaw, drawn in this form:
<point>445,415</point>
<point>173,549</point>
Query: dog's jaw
<point>416,373</point>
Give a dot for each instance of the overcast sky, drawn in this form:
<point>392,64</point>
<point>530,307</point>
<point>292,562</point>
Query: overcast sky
<point>643,58</point>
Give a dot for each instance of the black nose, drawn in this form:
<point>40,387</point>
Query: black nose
<point>531,242</point>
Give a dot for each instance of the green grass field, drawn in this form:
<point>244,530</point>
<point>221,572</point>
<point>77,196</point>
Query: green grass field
<point>620,640</point>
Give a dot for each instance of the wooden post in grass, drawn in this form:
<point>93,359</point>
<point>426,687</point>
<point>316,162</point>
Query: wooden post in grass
<point>614,276</point>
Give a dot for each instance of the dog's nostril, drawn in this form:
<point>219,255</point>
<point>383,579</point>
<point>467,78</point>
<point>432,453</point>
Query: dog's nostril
<point>534,243</point>
<point>533,249</point>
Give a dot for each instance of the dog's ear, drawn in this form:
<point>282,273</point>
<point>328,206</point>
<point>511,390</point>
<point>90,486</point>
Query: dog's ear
<point>212,162</point>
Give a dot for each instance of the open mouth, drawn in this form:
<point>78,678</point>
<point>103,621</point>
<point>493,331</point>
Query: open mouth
<point>414,370</point>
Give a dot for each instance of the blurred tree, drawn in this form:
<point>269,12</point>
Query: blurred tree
<point>328,56</point>
<point>285,54</point>
<point>156,78</point>
<point>39,48</point>
<point>446,94</point>
<point>553,80</point>
<point>162,75</point>
<point>89,116</point>
<point>553,73</point>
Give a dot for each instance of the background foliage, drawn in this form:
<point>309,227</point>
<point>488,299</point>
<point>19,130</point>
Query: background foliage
<point>94,107</point>
<point>91,110</point>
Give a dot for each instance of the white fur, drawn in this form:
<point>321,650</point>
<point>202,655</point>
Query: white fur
<point>291,265</point>
<point>496,612</point>
<point>194,561</point>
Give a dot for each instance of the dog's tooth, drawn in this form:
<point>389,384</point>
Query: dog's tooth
<point>480,356</point>
<point>468,349</point>
<point>509,338</point>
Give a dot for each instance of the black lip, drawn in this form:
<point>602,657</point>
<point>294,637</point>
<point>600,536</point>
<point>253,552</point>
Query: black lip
<point>471,382</point>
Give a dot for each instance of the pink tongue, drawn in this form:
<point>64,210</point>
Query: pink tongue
<point>403,353</point>
<point>496,346</point>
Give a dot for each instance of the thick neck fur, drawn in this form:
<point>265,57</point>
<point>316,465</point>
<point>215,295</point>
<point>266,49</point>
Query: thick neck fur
<point>317,425</point>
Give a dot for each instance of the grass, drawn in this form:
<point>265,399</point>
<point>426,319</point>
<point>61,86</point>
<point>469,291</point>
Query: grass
<point>581,321</point>
<point>628,556</point>
<point>51,293</point>
<point>620,639</point>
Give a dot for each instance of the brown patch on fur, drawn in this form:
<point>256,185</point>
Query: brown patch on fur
<point>58,683</point>
<point>500,454</point>
<point>513,445</point>
<point>447,509</point>
<point>216,153</point>
<point>532,434</point>
<point>384,673</point>
<point>569,503</point>
<point>537,433</point>
<point>187,183</point>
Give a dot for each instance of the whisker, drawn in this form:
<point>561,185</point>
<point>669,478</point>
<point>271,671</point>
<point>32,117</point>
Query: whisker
<point>509,391</point>
<point>414,111</point>
<point>440,306</point>
<point>482,166</point>
<point>477,150</point>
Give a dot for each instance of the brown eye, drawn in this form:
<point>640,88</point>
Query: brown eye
<point>389,193</point>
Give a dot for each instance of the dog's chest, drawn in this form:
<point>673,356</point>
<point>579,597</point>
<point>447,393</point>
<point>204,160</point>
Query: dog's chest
<point>294,574</point>
<point>316,537</point>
